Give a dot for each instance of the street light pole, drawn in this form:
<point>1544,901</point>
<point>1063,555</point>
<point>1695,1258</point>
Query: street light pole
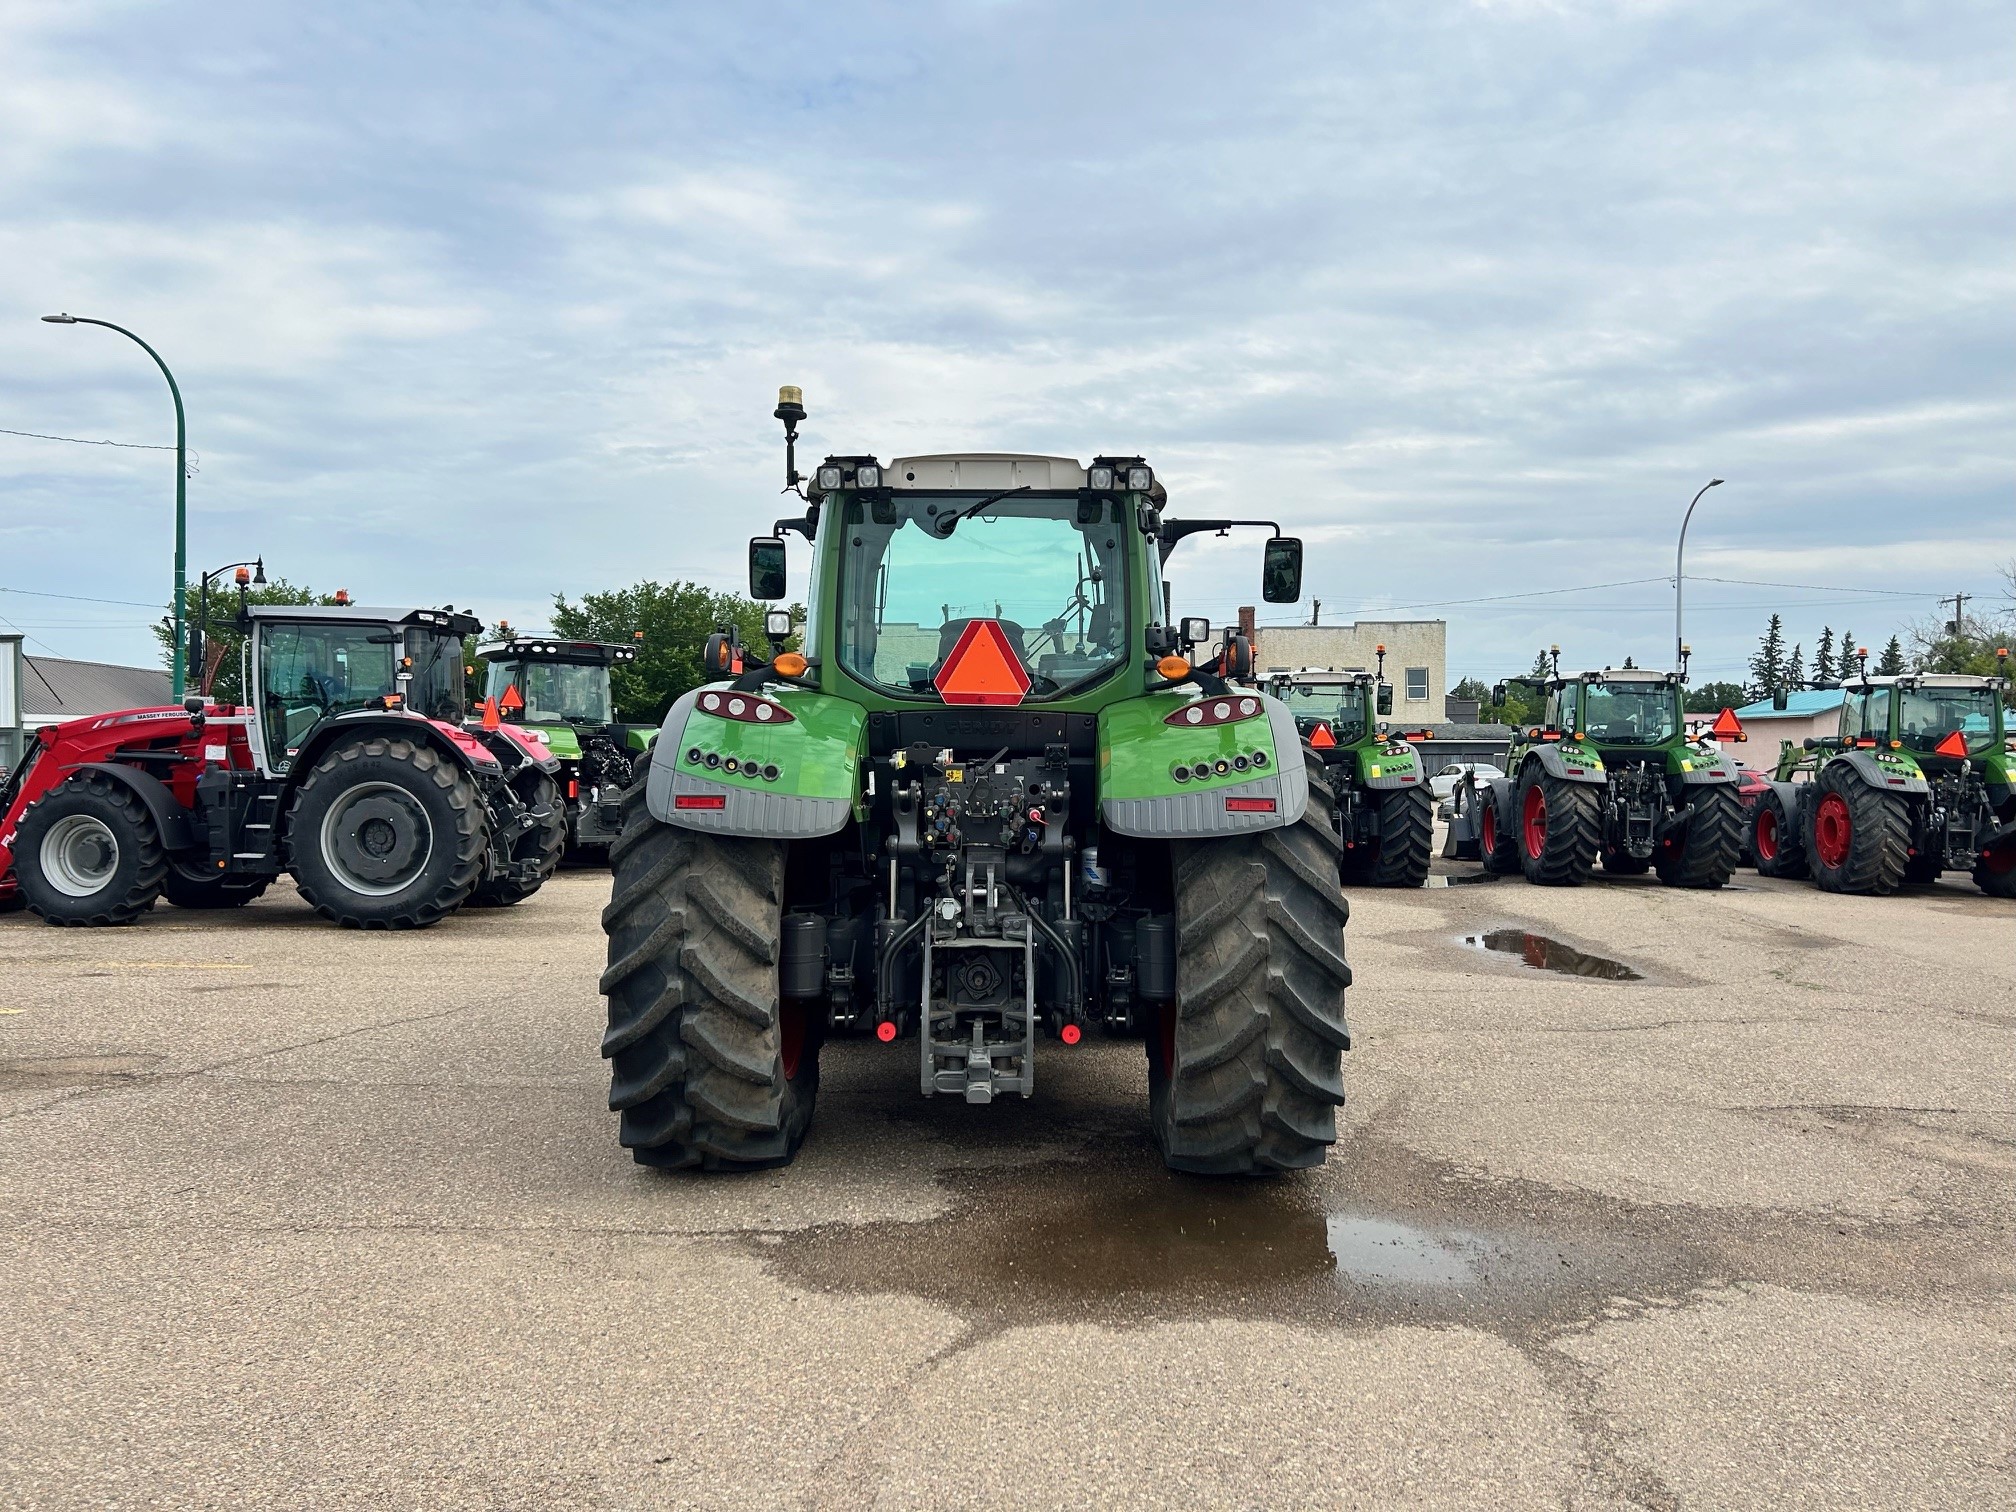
<point>180,676</point>
<point>1679,578</point>
<point>199,641</point>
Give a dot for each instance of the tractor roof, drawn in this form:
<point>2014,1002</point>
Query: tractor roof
<point>1623,674</point>
<point>455,620</point>
<point>1926,680</point>
<point>988,471</point>
<point>558,649</point>
<point>1323,675</point>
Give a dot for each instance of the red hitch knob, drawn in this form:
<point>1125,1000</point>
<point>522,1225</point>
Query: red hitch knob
<point>1070,1034</point>
<point>885,1031</point>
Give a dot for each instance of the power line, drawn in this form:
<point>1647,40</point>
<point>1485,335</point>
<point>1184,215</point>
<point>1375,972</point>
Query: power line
<point>81,441</point>
<point>78,598</point>
<point>1816,587</point>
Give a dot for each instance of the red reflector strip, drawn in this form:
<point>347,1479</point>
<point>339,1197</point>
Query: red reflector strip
<point>1249,805</point>
<point>573,787</point>
<point>700,801</point>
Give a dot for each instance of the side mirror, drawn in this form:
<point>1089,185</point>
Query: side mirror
<point>1281,570</point>
<point>766,567</point>
<point>1196,630</point>
<point>1497,693</point>
<point>1781,701</point>
<point>1385,698</point>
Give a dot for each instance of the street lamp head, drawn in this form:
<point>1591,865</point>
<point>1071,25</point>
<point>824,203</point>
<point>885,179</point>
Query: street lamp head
<point>259,570</point>
<point>1714,482</point>
<point>61,319</point>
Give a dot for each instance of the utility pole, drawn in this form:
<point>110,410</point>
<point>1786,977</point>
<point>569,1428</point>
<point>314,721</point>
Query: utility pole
<point>178,677</point>
<point>1958,600</point>
<point>1315,611</point>
<point>1680,578</point>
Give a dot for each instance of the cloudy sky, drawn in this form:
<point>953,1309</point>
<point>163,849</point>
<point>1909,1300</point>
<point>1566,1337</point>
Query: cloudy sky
<point>477,302</point>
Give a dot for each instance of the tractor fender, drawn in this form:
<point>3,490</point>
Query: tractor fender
<point>1865,766</point>
<point>1706,769</point>
<point>170,818</point>
<point>1380,767</point>
<point>1209,812</point>
<point>458,745</point>
<point>815,755</point>
<point>516,747</point>
<point>1554,762</point>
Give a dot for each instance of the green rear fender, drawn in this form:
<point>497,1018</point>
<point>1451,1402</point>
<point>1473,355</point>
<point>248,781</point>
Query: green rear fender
<point>786,778</point>
<point>1252,776</point>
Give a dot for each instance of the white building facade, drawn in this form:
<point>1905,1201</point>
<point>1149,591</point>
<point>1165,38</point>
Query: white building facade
<point>1417,657</point>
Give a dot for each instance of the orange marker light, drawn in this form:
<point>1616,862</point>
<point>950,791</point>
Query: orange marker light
<point>1174,668</point>
<point>790,664</point>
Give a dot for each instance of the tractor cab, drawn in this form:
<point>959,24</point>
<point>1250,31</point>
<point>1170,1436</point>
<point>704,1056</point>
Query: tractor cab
<point>310,664</point>
<point>1334,708</point>
<point>1941,719</point>
<point>560,690</point>
<point>545,680</point>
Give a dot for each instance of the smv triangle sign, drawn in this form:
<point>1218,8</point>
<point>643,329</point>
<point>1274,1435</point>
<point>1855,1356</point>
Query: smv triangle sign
<point>1954,745</point>
<point>983,668</point>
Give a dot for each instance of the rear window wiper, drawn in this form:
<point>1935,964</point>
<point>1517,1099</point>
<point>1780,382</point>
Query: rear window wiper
<point>946,522</point>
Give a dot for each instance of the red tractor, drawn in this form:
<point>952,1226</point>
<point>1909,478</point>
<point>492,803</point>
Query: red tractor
<point>349,769</point>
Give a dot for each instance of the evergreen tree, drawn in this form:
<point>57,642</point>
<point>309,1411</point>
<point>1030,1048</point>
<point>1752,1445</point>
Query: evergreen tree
<point>1823,656</point>
<point>1542,668</point>
<point>1892,660</point>
<point>1795,667</point>
<point>1767,667</point>
<point>1630,665</point>
<point>1846,665</point>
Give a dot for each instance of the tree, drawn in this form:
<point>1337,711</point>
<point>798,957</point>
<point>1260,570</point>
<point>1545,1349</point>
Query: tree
<point>676,619</point>
<point>1846,663</point>
<point>1767,666</point>
<point>1795,666</point>
<point>1630,665</point>
<point>1712,698</point>
<point>219,676</point>
<point>1471,688</point>
<point>1892,661</point>
<point>1823,655</point>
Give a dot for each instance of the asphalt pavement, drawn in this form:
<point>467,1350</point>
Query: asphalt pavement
<point>295,1216</point>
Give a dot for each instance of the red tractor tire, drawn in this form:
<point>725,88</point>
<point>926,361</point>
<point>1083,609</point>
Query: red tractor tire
<point>1559,822</point>
<point>87,853</point>
<point>1858,838</point>
<point>1775,839</point>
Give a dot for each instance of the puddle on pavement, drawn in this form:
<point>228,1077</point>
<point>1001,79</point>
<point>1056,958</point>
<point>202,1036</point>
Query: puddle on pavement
<point>1544,953</point>
<point>74,1070</point>
<point>1115,1238</point>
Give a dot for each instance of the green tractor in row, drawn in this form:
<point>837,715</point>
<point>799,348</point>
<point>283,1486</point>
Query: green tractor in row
<point>991,804</point>
<point>1919,780</point>
<point>1385,812</point>
<point>559,690</point>
<point>1608,774</point>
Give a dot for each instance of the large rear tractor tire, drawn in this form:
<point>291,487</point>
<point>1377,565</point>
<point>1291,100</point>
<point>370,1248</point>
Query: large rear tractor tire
<point>1995,870</point>
<point>1704,856</point>
<point>1558,826</point>
<point>187,887</point>
<point>1859,839</point>
<point>1406,836</point>
<point>386,834</point>
<point>1243,1068</point>
<point>1775,839</point>
<point>709,1068</point>
<point>544,842</point>
<point>87,852</point>
<point>1498,842</point>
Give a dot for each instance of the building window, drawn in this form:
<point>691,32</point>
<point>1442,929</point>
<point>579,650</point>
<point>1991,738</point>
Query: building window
<point>1417,685</point>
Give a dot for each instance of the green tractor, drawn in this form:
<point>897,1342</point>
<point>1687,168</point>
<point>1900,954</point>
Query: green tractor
<point>1918,781</point>
<point>993,802</point>
<point>1608,774</point>
<point>559,689</point>
<point>1385,812</point>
